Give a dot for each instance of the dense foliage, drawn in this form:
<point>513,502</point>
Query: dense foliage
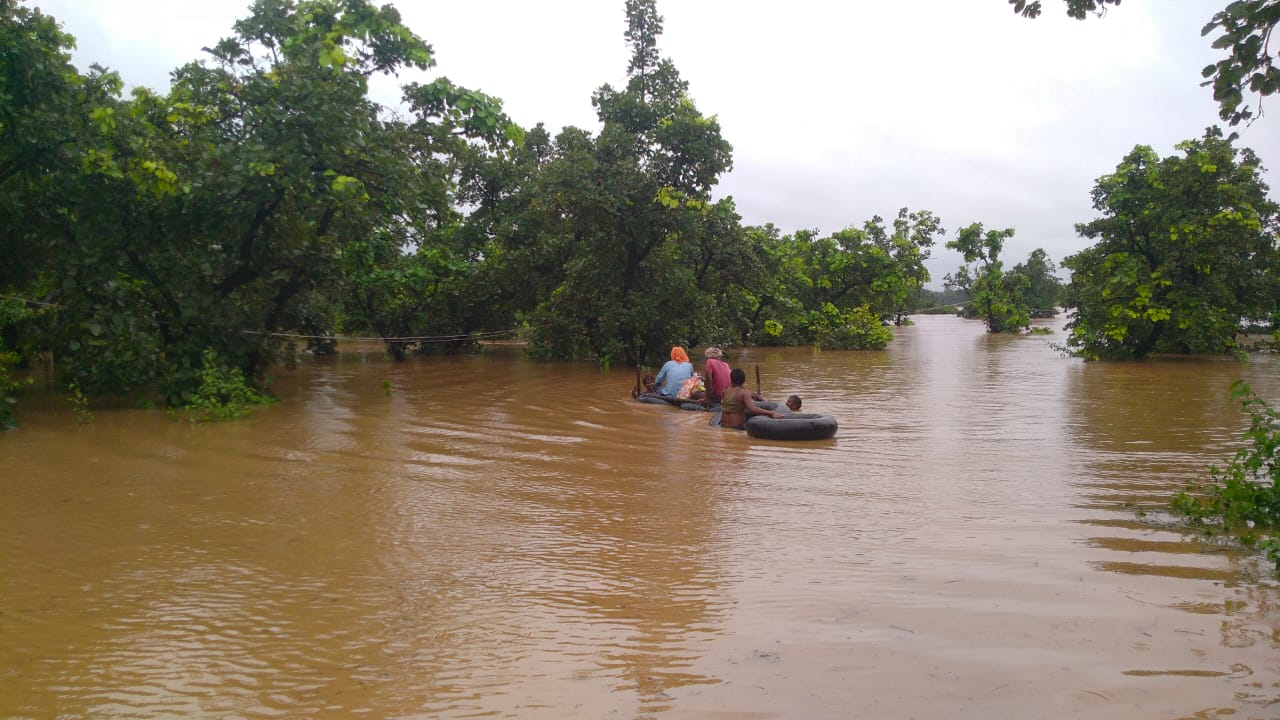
<point>169,247</point>
<point>1041,289</point>
<point>209,218</point>
<point>629,215</point>
<point>264,203</point>
<point>1186,248</point>
<point>859,276</point>
<point>1243,499</point>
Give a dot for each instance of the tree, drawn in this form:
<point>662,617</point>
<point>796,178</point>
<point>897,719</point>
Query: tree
<point>872,265</point>
<point>1186,247</point>
<point>847,284</point>
<point>218,215</point>
<point>937,302</point>
<point>417,274</point>
<point>46,137</point>
<point>619,209</point>
<point>1042,287</point>
<point>1246,27</point>
<point>996,295</point>
<point>729,265</point>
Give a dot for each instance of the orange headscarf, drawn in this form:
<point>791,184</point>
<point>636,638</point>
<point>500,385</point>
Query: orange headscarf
<point>678,354</point>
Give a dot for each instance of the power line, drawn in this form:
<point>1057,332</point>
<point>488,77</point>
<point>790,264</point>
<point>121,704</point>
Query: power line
<point>29,301</point>
<point>264,333</point>
<point>419,338</point>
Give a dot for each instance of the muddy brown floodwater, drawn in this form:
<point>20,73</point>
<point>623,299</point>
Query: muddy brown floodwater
<point>501,538</point>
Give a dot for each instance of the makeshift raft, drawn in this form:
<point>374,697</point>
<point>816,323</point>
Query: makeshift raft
<point>656,399</point>
<point>792,426</point>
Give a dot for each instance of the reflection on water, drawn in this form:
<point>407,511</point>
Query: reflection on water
<point>498,537</point>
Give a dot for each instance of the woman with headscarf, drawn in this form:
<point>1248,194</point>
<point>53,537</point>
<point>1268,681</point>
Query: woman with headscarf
<point>717,373</point>
<point>673,373</point>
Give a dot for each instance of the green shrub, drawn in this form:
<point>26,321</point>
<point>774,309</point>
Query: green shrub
<point>224,394</point>
<point>9,389</point>
<point>850,329</point>
<point>79,404</point>
<point>1243,499</point>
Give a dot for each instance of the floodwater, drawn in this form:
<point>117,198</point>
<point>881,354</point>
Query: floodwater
<point>493,537</point>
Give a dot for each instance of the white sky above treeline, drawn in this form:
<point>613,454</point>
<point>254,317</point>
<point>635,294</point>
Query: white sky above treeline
<point>836,111</point>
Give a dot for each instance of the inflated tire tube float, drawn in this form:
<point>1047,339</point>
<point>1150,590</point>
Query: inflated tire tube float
<point>796,426</point>
<point>654,400</point>
<point>699,407</point>
<point>649,399</point>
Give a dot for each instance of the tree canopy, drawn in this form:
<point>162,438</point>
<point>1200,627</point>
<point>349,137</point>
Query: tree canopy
<point>1186,247</point>
<point>171,246</point>
<point>996,296</point>
<point>265,203</point>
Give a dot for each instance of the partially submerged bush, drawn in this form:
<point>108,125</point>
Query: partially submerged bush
<point>9,388</point>
<point>224,393</point>
<point>850,329</point>
<point>1243,499</point>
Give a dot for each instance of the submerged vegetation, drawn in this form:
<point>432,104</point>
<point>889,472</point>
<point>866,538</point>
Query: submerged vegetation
<point>223,393</point>
<point>1242,500</point>
<point>168,247</point>
<point>9,389</point>
<point>265,200</point>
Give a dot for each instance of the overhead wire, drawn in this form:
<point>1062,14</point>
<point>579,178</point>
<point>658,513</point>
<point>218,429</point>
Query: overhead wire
<point>415,338</point>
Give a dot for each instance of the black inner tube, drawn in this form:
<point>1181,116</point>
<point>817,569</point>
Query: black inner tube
<point>795,426</point>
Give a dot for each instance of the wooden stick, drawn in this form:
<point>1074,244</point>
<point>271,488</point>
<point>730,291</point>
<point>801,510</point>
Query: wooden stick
<point>757,379</point>
<point>636,393</point>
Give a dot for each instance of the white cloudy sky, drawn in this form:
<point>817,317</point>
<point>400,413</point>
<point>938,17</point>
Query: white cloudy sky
<point>836,111</point>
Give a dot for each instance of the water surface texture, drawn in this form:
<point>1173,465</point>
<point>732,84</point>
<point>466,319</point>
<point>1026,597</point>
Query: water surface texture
<point>495,537</point>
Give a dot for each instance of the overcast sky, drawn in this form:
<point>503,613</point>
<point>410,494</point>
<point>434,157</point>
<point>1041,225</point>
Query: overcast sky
<point>836,111</point>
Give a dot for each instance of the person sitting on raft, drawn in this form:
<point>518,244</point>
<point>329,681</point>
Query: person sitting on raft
<point>793,403</point>
<point>737,402</point>
<point>717,373</point>
<point>673,373</point>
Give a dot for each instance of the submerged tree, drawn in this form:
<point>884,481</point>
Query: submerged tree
<point>1186,247</point>
<point>996,296</point>
<point>838,290</point>
<point>621,208</point>
<point>237,210</point>
<point>1042,289</point>
<point>417,278</point>
<point>224,211</point>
